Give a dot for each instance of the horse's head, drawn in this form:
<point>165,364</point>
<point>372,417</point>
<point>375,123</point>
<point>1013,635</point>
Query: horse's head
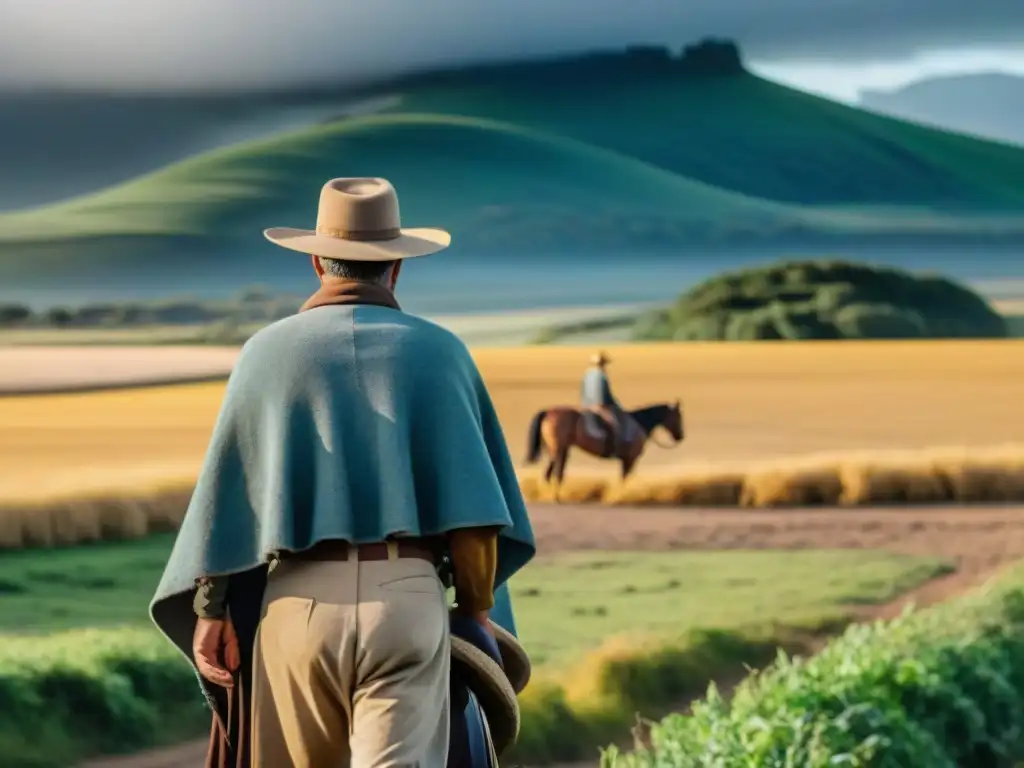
<point>674,420</point>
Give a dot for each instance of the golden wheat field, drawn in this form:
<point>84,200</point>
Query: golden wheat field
<point>838,417</point>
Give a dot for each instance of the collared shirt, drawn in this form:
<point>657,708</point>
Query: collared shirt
<point>595,391</point>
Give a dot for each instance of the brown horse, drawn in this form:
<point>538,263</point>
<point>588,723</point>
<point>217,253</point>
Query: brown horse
<point>558,429</point>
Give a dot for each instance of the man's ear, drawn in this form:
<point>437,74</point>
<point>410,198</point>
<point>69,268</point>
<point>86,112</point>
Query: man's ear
<point>394,274</point>
<point>318,267</point>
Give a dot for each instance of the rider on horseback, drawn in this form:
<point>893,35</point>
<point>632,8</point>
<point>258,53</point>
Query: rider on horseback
<point>598,400</point>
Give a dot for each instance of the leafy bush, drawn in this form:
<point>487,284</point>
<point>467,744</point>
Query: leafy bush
<point>823,300</point>
<point>73,695</point>
<point>943,688</point>
<point>879,321</point>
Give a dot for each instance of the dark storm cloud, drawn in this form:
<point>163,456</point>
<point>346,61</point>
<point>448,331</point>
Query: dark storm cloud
<point>224,43</point>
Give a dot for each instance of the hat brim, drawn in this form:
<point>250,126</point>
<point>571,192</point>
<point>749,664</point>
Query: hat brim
<point>513,658</point>
<point>492,689</point>
<point>409,244</point>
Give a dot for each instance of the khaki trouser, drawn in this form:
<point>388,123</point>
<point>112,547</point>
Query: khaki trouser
<point>351,666</point>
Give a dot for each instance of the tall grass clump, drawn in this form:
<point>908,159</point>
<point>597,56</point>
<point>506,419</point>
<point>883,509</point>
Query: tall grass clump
<point>78,694</point>
<point>943,688</point>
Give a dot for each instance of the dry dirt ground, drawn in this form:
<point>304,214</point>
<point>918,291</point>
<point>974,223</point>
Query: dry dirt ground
<point>979,540</point>
<point>741,402</point>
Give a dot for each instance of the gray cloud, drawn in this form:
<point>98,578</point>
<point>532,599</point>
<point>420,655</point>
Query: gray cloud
<point>244,43</point>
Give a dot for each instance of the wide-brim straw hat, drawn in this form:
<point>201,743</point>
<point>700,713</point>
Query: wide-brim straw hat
<point>492,683</point>
<point>358,220</point>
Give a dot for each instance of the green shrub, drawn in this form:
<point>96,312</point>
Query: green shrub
<point>14,314</point>
<point>879,321</point>
<point>77,694</point>
<point>798,300</point>
<point>943,688</point>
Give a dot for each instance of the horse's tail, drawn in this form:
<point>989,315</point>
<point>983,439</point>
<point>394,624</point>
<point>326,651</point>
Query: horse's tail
<point>533,441</point>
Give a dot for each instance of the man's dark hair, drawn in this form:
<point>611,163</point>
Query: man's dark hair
<point>361,271</point>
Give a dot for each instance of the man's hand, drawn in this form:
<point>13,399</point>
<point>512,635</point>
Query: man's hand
<point>482,618</point>
<point>215,646</point>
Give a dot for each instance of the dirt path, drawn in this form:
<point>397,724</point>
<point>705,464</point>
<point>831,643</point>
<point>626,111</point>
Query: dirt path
<point>35,370</point>
<point>978,540</point>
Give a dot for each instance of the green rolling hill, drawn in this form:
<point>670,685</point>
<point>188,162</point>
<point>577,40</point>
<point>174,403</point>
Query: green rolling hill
<point>556,157</point>
<point>752,136</point>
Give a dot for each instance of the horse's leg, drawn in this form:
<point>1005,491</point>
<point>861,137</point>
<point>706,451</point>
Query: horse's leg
<point>563,459</point>
<point>627,466</point>
<point>632,456</point>
<point>552,444</point>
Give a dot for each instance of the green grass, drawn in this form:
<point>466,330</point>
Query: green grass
<point>99,585</point>
<point>666,162</point>
<point>80,664</point>
<point>574,602</point>
<point>564,605</point>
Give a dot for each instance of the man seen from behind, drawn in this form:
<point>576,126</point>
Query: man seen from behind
<point>356,447</point>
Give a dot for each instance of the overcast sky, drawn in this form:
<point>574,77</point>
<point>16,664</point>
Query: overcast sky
<point>833,46</point>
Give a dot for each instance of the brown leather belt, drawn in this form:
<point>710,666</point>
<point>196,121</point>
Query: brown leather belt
<point>337,550</point>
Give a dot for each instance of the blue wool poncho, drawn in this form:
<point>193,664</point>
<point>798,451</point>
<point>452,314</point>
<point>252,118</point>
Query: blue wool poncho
<point>344,422</point>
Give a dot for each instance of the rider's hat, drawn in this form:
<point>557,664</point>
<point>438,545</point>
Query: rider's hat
<point>600,359</point>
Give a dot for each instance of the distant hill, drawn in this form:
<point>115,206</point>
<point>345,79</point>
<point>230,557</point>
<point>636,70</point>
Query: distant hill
<point>55,146</point>
<point>636,150</point>
<point>989,105</point>
<point>800,300</point>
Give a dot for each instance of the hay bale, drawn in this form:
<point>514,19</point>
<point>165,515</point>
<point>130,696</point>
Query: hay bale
<point>74,524</point>
<point>529,487</point>
<point>12,526</point>
<point>165,510</point>
<point>796,487</point>
<point>575,490</point>
<point>978,481</point>
<point>121,519</point>
<point>874,484</point>
<point>694,489</point>
<point>36,528</point>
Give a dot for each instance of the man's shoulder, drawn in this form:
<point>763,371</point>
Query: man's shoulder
<point>270,336</point>
<point>431,338</point>
<point>410,332</point>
